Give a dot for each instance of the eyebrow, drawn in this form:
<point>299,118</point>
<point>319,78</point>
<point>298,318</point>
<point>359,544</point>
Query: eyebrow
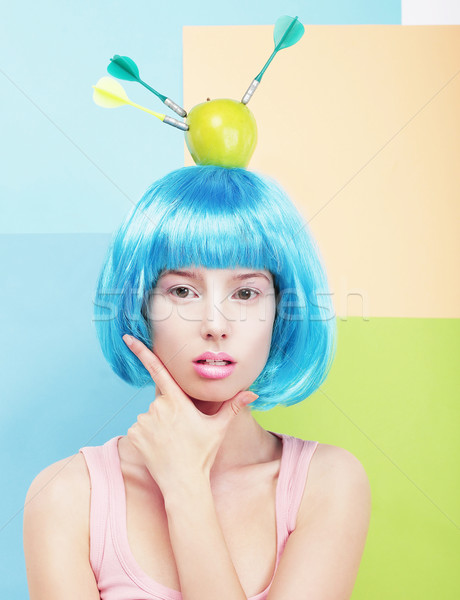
<point>197,277</point>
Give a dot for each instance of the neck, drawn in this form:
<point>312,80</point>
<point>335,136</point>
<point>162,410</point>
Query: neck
<point>245,443</point>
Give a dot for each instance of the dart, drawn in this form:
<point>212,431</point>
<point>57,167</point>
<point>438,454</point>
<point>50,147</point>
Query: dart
<point>108,93</point>
<point>123,67</point>
<point>287,32</point>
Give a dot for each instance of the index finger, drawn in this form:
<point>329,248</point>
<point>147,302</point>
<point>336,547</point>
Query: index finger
<point>158,372</point>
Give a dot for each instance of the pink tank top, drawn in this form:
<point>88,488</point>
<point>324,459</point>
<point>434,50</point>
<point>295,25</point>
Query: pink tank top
<point>118,575</point>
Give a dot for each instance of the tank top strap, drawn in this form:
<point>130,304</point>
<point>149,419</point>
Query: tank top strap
<point>297,455</point>
<point>98,460</point>
<point>301,454</point>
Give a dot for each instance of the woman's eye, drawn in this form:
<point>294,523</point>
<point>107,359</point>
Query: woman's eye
<point>182,292</point>
<point>247,294</point>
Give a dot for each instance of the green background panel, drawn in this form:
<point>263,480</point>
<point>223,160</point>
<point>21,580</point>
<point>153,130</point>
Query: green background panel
<point>391,399</point>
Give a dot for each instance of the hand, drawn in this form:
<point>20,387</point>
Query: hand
<point>175,439</point>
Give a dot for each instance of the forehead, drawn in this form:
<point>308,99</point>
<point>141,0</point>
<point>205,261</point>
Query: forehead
<point>227,274</point>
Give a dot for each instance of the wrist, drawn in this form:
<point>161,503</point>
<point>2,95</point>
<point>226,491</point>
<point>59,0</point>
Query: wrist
<point>183,492</point>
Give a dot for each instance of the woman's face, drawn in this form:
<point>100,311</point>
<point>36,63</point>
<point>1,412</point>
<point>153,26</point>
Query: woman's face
<point>197,310</point>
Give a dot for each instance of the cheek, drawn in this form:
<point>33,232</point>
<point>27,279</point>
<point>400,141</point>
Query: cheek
<point>165,326</point>
<point>159,310</point>
<point>258,337</point>
<point>267,316</point>
<point>263,343</point>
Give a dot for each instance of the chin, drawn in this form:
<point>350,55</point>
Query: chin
<point>212,390</point>
<point>210,397</point>
<point>216,394</point>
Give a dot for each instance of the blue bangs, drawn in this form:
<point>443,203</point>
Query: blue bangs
<point>219,218</point>
<point>221,222</point>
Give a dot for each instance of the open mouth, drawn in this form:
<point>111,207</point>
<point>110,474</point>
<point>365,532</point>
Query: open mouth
<point>214,369</point>
<point>214,362</point>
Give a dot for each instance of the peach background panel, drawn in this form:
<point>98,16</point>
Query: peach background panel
<point>361,126</point>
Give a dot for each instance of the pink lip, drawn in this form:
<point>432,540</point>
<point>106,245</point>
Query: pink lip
<point>214,371</point>
<point>214,356</point>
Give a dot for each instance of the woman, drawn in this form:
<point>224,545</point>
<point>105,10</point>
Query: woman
<point>198,501</point>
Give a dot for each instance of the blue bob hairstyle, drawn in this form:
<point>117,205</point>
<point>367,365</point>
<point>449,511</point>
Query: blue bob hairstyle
<point>219,218</point>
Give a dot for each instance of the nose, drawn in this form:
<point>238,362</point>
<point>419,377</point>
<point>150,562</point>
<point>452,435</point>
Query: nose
<point>214,324</point>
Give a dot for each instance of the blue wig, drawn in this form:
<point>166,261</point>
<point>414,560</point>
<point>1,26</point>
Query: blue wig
<point>220,218</point>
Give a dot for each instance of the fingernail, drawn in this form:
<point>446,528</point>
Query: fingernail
<point>128,340</point>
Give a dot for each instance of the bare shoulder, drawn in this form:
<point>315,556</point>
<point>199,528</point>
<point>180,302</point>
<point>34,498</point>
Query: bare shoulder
<point>56,532</point>
<point>329,460</point>
<point>335,476</point>
<point>58,491</point>
<point>64,484</point>
<point>323,553</point>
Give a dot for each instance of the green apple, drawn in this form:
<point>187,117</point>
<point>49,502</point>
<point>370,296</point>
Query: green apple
<point>221,132</point>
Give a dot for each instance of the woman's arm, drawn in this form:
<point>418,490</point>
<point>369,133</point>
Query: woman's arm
<point>204,564</point>
<point>322,555</point>
<point>56,536</point>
